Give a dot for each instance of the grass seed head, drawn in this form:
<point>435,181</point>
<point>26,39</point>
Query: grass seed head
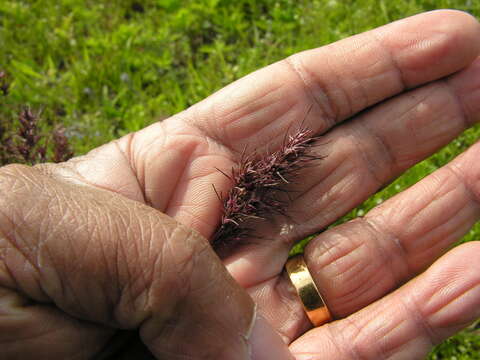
<point>256,185</point>
<point>21,140</point>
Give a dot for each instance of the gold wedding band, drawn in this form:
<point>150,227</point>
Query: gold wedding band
<point>312,301</point>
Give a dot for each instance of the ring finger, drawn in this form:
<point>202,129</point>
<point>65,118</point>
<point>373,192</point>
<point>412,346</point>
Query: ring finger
<point>358,262</point>
<point>408,322</point>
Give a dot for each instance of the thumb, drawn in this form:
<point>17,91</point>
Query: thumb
<point>100,257</point>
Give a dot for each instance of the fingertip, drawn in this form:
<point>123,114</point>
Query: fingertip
<point>450,291</point>
<point>463,27</point>
<point>459,264</point>
<point>446,43</point>
<point>453,21</point>
<point>459,18</point>
<point>466,86</point>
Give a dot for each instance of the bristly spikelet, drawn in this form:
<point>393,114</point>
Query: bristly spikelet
<point>62,150</point>
<point>22,141</point>
<point>257,182</point>
<point>29,136</point>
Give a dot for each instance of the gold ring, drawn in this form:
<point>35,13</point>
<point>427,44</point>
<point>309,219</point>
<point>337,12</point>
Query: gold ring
<point>312,301</point>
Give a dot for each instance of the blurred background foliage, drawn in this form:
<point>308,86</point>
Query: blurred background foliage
<point>103,68</point>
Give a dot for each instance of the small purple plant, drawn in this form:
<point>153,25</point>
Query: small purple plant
<point>28,146</point>
<point>257,183</point>
<point>21,140</point>
<point>61,147</point>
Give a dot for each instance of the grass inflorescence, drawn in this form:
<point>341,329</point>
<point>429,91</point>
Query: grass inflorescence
<point>257,183</point>
<point>22,140</point>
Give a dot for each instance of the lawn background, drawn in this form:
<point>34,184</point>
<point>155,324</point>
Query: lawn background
<point>104,68</point>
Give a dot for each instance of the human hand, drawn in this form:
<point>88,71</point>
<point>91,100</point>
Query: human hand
<point>79,263</point>
<point>418,83</point>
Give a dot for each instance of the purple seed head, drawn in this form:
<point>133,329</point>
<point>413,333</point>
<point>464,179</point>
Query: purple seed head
<point>26,144</point>
<point>256,185</point>
<point>61,147</point>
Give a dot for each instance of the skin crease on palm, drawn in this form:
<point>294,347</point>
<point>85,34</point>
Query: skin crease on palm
<point>406,89</point>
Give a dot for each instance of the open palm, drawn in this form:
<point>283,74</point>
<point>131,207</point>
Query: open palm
<point>381,101</point>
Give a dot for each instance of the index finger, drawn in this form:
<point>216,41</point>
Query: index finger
<point>337,80</point>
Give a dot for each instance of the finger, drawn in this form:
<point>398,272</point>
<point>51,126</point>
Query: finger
<point>362,156</point>
<point>105,259</point>
<point>168,165</point>
<point>372,149</point>
<point>339,79</point>
<point>256,112</point>
<point>26,328</point>
<point>422,313</point>
<point>360,261</point>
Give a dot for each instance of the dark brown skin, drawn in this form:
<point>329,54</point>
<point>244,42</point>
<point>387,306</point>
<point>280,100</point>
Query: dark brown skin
<point>79,262</point>
<point>109,253</point>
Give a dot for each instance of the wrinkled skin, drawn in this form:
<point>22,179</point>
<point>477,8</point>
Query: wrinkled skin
<point>110,252</point>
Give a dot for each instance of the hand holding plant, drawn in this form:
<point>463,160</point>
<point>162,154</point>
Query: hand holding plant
<point>381,102</point>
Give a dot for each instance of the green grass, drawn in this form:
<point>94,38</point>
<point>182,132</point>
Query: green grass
<point>104,68</point>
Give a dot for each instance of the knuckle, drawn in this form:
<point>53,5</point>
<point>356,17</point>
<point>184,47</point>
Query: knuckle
<point>463,18</point>
<point>315,88</point>
<point>414,314</point>
<point>375,155</point>
<point>346,341</point>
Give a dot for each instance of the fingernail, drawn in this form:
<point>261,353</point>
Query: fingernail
<point>266,343</point>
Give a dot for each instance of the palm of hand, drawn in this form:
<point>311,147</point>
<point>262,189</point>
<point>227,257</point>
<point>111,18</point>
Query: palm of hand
<point>172,165</point>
